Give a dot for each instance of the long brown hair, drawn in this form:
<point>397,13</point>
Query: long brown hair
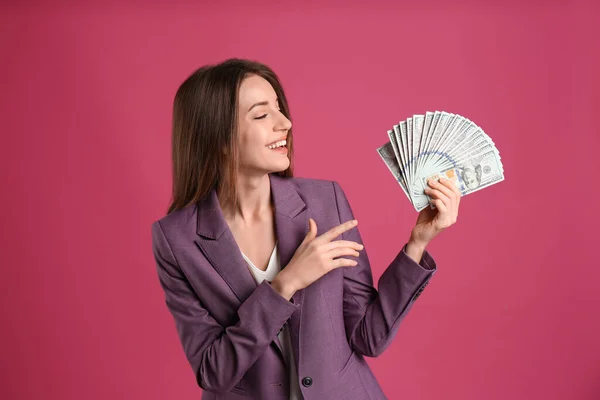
<point>204,131</point>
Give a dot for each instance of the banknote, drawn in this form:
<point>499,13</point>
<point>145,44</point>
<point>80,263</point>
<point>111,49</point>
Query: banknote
<point>440,144</point>
<point>399,160</point>
<point>386,152</point>
<point>471,175</point>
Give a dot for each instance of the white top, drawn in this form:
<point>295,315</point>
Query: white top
<point>284,336</point>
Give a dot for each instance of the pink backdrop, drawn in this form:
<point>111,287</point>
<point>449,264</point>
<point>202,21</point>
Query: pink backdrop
<point>85,166</point>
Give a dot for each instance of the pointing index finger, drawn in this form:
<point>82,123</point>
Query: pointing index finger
<point>338,230</point>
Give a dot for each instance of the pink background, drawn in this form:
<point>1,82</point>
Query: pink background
<point>85,116</point>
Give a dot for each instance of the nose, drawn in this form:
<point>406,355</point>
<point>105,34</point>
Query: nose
<point>283,123</point>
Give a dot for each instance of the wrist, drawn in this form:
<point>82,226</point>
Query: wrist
<point>283,286</point>
<point>415,249</point>
<point>418,244</point>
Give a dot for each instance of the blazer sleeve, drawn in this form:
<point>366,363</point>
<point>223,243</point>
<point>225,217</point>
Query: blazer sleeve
<point>219,355</point>
<point>372,316</point>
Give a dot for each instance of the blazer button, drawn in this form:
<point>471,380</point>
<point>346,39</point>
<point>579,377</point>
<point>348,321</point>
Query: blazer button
<point>307,382</point>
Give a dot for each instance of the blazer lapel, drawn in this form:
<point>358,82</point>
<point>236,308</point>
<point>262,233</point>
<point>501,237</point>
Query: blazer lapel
<point>218,244</point>
<point>220,248</point>
<point>291,223</point>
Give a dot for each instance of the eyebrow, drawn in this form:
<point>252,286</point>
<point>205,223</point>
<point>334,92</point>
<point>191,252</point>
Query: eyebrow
<point>262,103</point>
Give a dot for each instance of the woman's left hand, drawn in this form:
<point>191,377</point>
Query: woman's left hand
<point>446,198</point>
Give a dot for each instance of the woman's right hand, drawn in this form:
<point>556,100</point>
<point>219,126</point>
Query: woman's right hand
<point>315,257</point>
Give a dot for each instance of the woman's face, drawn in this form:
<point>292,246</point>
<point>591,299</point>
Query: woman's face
<point>262,128</point>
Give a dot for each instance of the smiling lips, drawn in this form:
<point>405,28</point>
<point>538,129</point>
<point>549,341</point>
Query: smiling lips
<point>277,144</point>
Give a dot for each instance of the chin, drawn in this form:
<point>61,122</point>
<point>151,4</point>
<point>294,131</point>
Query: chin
<point>280,167</point>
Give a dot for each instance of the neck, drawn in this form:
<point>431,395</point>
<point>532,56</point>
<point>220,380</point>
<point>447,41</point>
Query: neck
<point>254,199</point>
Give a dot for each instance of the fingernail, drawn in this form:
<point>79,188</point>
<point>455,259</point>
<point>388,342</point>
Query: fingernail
<point>354,222</point>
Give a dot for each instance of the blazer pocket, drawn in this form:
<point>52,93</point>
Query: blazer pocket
<point>238,390</point>
<point>348,385</point>
<point>348,365</point>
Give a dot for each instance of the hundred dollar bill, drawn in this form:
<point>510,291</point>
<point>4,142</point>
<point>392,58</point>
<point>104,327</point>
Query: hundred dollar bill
<point>386,152</point>
<point>402,137</point>
<point>474,174</point>
<point>399,156</point>
<point>439,125</point>
<point>418,121</point>
<point>411,155</point>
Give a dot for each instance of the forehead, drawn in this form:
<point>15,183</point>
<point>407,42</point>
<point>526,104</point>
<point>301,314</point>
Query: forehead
<point>254,89</point>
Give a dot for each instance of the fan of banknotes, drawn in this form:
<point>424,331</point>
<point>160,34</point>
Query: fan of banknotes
<point>440,144</point>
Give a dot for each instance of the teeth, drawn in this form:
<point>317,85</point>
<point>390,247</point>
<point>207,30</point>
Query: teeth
<point>281,143</point>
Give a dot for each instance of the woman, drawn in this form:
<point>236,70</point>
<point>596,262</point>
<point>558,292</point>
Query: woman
<point>265,274</point>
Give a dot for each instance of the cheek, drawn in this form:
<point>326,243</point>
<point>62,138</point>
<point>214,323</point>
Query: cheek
<point>246,139</point>
<point>251,146</point>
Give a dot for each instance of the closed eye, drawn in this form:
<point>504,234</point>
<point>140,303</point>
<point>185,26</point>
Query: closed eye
<point>265,115</point>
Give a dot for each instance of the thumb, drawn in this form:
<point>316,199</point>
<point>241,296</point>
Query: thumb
<point>312,230</point>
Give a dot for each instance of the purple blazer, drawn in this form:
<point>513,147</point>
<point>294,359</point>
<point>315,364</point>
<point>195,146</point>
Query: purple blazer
<point>228,324</point>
